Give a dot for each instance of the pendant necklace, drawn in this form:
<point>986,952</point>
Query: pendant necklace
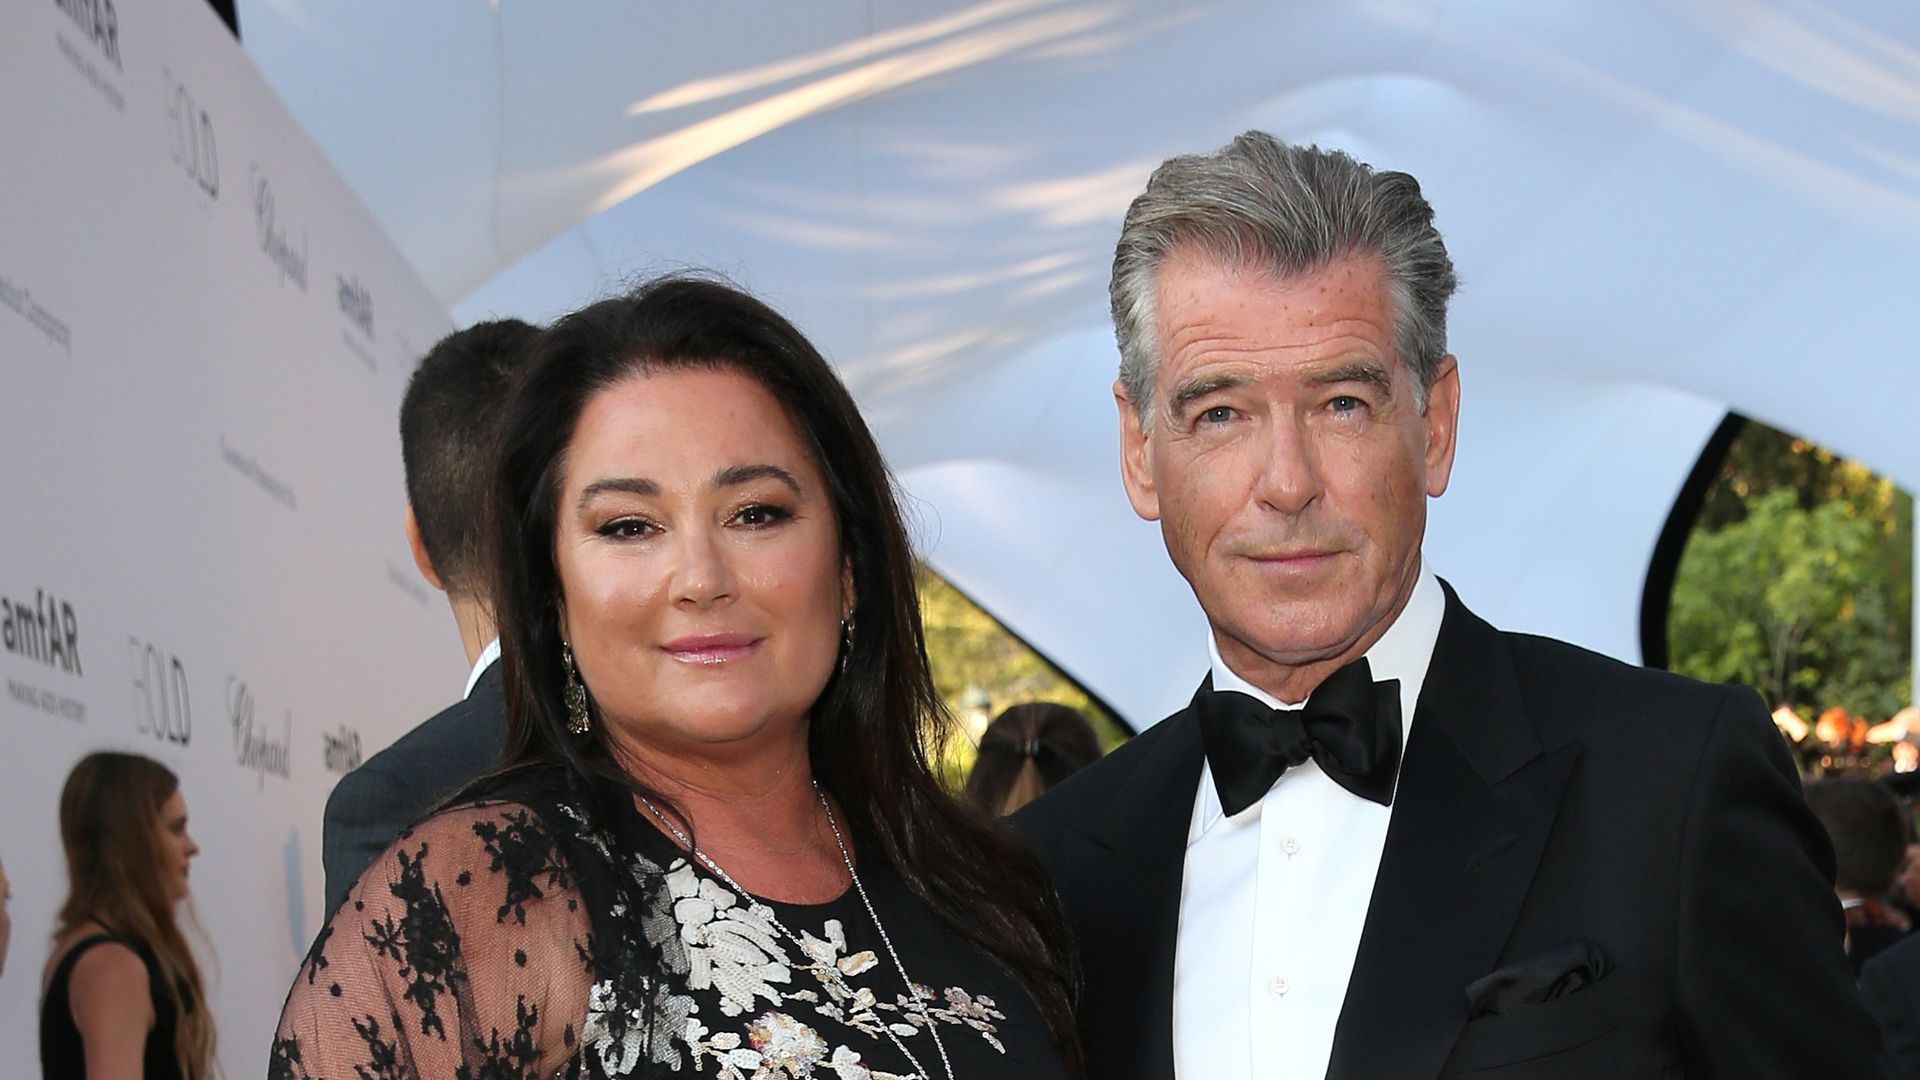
<point>756,907</point>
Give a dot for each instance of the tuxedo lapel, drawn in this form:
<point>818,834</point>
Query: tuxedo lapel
<point>1133,857</point>
<point>1475,803</point>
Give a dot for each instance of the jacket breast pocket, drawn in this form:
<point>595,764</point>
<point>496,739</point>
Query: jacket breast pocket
<point>1544,1030</point>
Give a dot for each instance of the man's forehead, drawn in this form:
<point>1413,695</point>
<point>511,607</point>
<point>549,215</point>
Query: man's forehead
<point>1198,266</point>
<point>1216,316</point>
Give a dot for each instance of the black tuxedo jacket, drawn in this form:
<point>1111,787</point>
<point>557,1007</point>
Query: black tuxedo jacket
<point>1890,983</point>
<point>398,786</point>
<point>1549,798</point>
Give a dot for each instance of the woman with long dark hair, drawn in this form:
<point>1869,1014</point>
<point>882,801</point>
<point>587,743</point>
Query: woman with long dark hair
<point>715,846</point>
<point>121,991</point>
<point>1025,751</point>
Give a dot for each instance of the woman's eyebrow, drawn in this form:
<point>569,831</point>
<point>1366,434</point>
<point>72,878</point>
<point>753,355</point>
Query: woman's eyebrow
<point>735,475</point>
<point>631,485</point>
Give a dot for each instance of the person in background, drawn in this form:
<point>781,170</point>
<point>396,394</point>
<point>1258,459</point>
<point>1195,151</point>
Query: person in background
<point>449,427</point>
<point>121,993</point>
<point>1870,828</point>
<point>6,917</point>
<point>716,846</point>
<point>1890,986</point>
<point>1026,750</point>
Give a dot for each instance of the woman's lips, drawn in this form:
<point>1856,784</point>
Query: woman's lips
<point>708,649</point>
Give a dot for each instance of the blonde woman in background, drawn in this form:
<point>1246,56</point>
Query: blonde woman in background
<point>121,991</point>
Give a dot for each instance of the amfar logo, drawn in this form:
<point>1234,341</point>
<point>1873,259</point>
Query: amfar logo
<point>356,303</point>
<point>45,630</point>
<point>162,707</point>
<point>342,749</point>
<point>96,19</point>
<point>274,243</point>
<point>253,746</point>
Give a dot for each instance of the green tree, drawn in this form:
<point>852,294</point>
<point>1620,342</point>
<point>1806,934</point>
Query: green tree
<point>980,667</point>
<point>1802,586</point>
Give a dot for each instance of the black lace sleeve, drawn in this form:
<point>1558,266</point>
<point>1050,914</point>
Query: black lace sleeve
<point>461,952</point>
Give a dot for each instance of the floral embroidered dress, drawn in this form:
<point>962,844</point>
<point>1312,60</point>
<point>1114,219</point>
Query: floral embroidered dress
<point>512,939</point>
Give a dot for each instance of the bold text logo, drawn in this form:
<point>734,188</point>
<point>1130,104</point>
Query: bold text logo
<point>162,706</point>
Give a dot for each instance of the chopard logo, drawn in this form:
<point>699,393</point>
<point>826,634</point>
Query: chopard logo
<point>274,241</point>
<point>45,630</point>
<point>97,20</point>
<point>162,707</point>
<point>254,747</point>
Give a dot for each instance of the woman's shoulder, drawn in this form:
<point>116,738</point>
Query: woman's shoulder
<point>497,856</point>
<point>88,940</point>
<point>109,978</point>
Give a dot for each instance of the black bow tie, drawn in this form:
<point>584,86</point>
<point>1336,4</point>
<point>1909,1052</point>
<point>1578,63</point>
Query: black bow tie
<point>1350,725</point>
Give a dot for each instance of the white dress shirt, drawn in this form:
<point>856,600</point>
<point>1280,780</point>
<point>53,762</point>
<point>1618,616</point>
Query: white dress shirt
<point>1274,898</point>
<point>486,659</point>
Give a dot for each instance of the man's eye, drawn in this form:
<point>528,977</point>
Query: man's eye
<point>1219,414</point>
<point>1346,403</point>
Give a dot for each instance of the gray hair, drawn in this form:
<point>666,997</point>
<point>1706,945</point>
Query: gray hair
<point>1259,203</point>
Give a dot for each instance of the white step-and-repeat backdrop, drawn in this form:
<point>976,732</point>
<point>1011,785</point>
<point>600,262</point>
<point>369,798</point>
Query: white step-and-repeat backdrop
<point>203,342</point>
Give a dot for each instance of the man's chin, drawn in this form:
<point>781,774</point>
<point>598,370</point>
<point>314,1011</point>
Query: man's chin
<point>1287,649</point>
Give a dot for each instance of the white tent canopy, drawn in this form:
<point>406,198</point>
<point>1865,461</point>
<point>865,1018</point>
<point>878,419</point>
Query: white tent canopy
<point>1660,211</point>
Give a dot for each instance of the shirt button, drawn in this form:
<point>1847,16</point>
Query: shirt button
<point>1279,986</point>
<point>1290,845</point>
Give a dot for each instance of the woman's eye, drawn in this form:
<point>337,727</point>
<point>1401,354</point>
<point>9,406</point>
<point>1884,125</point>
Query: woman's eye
<point>626,528</point>
<point>760,514</point>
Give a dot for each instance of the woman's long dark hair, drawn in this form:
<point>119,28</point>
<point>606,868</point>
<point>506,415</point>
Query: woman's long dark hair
<point>871,725</point>
<point>1026,750</point>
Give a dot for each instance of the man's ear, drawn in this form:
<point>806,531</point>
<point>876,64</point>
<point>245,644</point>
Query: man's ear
<point>419,549</point>
<point>1136,471</point>
<point>1443,424</point>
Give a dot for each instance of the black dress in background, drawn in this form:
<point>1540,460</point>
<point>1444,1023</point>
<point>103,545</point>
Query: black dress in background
<point>512,938</point>
<point>62,1056</point>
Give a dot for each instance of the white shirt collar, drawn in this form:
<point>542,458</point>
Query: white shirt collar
<point>1402,653</point>
<point>487,657</point>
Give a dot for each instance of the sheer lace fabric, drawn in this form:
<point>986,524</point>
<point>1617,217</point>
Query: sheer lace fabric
<point>510,939</point>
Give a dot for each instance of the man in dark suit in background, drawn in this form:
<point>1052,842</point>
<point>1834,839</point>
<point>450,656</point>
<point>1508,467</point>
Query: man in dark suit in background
<point>449,421</point>
<point>1576,868</point>
<point>1890,986</point>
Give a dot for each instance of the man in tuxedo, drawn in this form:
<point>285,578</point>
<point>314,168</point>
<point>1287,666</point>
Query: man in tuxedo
<point>1575,868</point>
<point>449,422</point>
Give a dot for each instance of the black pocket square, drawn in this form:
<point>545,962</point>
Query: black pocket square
<point>1561,970</point>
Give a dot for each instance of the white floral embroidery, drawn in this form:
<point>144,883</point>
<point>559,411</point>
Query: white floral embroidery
<point>617,1035</point>
<point>618,1054</point>
<point>731,948</point>
<point>735,949</point>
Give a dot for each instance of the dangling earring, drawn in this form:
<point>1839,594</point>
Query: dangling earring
<point>846,644</point>
<point>578,722</point>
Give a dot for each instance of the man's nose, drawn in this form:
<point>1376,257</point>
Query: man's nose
<point>1289,469</point>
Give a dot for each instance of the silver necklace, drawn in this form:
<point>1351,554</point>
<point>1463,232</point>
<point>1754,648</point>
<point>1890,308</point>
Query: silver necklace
<point>761,910</point>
